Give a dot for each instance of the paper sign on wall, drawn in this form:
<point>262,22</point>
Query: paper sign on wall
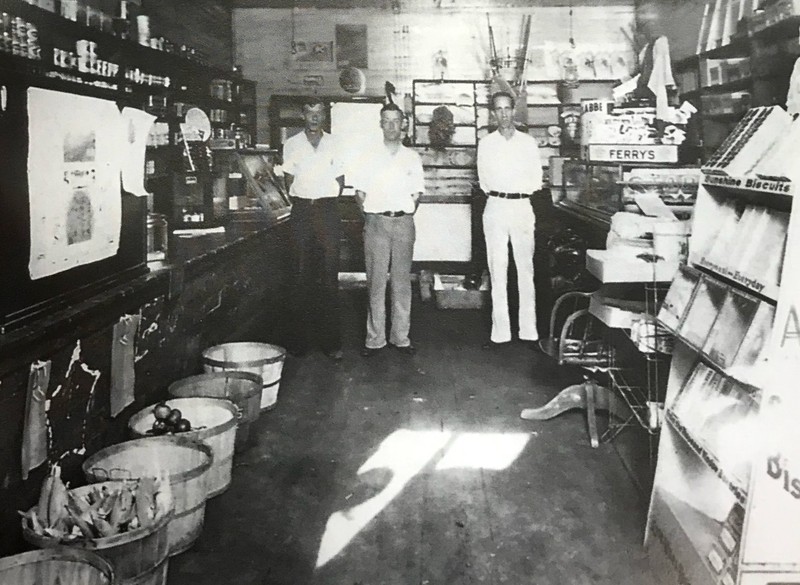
<point>137,127</point>
<point>75,149</point>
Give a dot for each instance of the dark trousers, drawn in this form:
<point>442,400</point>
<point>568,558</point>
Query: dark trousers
<point>316,231</point>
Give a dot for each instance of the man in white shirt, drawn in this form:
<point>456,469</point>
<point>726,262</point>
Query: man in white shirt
<point>510,171</point>
<point>315,178</point>
<point>388,193</point>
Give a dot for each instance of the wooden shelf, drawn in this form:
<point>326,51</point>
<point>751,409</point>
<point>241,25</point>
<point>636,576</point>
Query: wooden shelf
<point>737,47</point>
<point>739,491</point>
<point>785,29</point>
<point>728,87</point>
<point>459,125</point>
<point>728,116</point>
<point>769,292</point>
<point>689,532</point>
<point>753,189</point>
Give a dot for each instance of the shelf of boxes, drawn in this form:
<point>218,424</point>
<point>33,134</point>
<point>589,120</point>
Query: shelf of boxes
<point>730,397</point>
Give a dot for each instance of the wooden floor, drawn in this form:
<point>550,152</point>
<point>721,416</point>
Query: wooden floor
<point>403,470</point>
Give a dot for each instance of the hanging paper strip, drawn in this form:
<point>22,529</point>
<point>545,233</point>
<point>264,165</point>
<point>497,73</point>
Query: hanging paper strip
<point>34,435</point>
<point>137,127</point>
<point>123,376</point>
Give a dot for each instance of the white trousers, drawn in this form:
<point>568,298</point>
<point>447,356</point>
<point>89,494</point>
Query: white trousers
<point>504,221</point>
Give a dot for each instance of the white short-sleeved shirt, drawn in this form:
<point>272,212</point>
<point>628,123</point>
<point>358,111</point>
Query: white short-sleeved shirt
<point>389,180</point>
<point>509,165</point>
<point>314,169</point>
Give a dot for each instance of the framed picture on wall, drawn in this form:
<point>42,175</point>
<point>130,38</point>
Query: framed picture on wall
<point>351,46</point>
<point>315,54</point>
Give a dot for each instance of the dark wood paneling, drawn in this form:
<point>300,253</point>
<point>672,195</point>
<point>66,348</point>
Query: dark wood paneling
<point>223,298</point>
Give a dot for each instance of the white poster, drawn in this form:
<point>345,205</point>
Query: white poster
<point>75,149</point>
<point>137,126</point>
<point>357,130</point>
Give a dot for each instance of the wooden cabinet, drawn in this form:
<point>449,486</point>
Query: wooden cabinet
<point>750,67</point>
<point>43,50</point>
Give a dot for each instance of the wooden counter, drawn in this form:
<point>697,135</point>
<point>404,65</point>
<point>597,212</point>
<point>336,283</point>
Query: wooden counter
<point>213,289</point>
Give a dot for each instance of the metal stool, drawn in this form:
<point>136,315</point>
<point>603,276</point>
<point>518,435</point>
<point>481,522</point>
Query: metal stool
<point>579,341</point>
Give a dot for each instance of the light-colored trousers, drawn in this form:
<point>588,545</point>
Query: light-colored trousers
<point>504,221</point>
<point>388,248</point>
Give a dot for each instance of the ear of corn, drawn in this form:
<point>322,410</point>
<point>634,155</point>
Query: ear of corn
<point>101,512</point>
<point>43,507</point>
<point>58,499</point>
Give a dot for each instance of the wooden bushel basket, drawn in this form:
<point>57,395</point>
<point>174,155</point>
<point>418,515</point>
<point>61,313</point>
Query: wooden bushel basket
<point>241,388</point>
<point>215,420</point>
<point>56,566</point>
<point>185,462</point>
<point>139,557</point>
<point>263,359</point>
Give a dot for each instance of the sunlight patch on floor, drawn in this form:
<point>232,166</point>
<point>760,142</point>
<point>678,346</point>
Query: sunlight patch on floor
<point>405,453</point>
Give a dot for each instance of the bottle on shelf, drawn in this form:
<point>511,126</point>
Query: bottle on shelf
<point>121,24</point>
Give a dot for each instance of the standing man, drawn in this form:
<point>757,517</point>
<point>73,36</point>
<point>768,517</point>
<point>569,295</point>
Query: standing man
<point>315,178</point>
<point>388,193</point>
<point>510,172</point>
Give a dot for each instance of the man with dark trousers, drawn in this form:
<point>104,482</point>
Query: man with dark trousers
<point>388,191</point>
<point>315,179</point>
<point>510,172</point>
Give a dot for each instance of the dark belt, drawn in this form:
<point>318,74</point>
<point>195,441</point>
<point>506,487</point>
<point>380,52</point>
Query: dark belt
<point>390,213</point>
<point>502,195</point>
<point>296,200</point>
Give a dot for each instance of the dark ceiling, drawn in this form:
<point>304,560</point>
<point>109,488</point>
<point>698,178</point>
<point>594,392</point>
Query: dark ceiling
<point>417,4</point>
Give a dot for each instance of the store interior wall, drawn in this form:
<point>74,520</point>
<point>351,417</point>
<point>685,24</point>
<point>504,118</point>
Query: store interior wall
<point>403,45</point>
<point>678,20</point>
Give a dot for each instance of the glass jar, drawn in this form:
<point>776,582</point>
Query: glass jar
<point>157,237</point>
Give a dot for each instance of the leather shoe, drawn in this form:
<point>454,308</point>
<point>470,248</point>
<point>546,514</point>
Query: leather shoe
<point>531,345</point>
<point>369,351</point>
<point>335,354</point>
<point>492,345</point>
<point>406,349</point>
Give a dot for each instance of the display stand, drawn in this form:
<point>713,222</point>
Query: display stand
<point>724,506</point>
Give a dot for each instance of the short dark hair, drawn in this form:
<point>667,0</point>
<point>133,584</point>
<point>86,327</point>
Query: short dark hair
<point>392,107</point>
<point>499,94</point>
<point>312,101</point>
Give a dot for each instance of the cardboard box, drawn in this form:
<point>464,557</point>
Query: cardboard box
<point>449,293</point>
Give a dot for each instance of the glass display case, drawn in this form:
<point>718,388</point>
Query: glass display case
<point>597,190</point>
<point>262,184</point>
<point>590,189</point>
<point>246,184</point>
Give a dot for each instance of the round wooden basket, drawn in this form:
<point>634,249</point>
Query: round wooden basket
<point>263,359</point>
<point>184,461</point>
<point>241,388</point>
<point>139,557</point>
<point>215,422</point>
<point>56,566</point>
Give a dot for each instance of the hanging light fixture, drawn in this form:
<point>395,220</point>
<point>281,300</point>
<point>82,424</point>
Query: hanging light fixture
<point>571,28</point>
<point>569,64</point>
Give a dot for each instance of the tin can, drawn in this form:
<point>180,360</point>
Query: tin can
<point>19,33</point>
<point>34,52</point>
<point>5,34</point>
<point>143,29</point>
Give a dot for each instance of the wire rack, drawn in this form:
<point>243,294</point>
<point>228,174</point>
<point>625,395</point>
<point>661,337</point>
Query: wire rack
<point>655,344</point>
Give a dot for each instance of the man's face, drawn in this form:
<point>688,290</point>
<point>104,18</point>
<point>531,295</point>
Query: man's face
<point>392,125</point>
<point>504,112</point>
<point>314,117</point>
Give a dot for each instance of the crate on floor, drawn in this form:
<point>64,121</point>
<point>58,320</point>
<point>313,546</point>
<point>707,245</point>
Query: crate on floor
<point>450,293</point>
